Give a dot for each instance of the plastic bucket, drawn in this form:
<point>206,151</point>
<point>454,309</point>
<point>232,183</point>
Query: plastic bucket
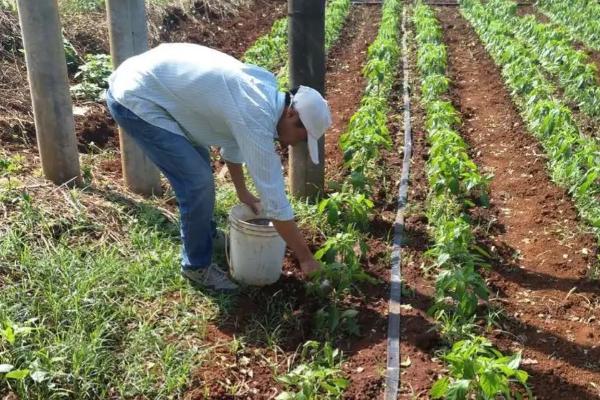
<point>255,251</point>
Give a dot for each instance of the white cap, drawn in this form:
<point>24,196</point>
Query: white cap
<point>315,116</point>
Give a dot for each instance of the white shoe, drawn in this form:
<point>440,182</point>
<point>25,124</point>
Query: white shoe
<point>211,277</point>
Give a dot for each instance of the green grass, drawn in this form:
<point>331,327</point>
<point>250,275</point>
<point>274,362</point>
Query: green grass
<point>107,311</point>
<point>90,287</point>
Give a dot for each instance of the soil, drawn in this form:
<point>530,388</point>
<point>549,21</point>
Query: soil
<point>229,34</point>
<point>365,355</point>
<point>95,127</point>
<point>345,83</point>
<point>541,253</point>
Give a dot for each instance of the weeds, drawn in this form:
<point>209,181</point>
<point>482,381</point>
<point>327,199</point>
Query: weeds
<point>93,76</point>
<point>318,376</point>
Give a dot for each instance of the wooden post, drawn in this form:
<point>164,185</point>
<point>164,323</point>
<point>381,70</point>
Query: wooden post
<point>129,37</point>
<point>49,85</point>
<point>306,30</point>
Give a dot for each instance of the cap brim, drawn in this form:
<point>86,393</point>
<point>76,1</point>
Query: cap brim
<point>313,149</point>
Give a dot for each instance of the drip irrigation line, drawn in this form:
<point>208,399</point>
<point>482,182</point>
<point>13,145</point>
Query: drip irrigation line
<point>393,341</point>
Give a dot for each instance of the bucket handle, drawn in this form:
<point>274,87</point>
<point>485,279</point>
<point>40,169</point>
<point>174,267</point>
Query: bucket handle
<point>227,258</point>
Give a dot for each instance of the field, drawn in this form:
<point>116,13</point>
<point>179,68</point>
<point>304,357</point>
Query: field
<point>498,236</point>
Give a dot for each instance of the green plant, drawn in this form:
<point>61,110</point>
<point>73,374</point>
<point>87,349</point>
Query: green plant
<point>317,377</point>
<point>552,47</point>
<point>94,76</point>
<point>347,209</point>
<point>9,5</point>
<point>580,17</point>
<point>11,165</point>
<point>331,320</point>
<point>79,6</point>
<point>459,289</point>
<point>71,55</point>
<point>481,372</point>
<point>343,248</point>
<point>367,131</point>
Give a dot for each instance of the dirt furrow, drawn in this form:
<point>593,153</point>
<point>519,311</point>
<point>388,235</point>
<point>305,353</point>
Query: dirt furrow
<point>542,256</point>
<point>345,83</point>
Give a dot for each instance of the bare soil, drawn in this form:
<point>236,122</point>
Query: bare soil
<point>542,255</point>
<point>345,82</point>
<point>231,34</point>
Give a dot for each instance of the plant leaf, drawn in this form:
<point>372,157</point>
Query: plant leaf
<point>440,388</point>
<point>17,374</point>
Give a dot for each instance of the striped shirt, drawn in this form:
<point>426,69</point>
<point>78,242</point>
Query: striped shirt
<point>213,100</point>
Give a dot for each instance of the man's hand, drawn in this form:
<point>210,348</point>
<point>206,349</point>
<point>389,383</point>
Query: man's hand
<point>309,267</point>
<point>250,200</point>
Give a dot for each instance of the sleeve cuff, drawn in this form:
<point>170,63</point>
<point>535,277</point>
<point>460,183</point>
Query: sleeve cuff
<point>232,155</point>
<point>281,214</point>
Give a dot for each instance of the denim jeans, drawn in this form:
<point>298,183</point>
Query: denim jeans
<point>189,171</point>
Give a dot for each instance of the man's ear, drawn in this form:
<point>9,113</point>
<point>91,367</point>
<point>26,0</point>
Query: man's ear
<point>290,112</point>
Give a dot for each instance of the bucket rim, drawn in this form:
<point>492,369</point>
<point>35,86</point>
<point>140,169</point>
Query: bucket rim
<point>265,229</point>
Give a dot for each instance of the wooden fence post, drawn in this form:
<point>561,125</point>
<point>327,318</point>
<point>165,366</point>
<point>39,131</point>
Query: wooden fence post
<point>306,30</point>
<point>129,37</point>
<point>49,85</point>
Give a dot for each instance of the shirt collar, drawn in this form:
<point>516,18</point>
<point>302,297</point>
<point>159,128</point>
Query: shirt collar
<point>279,107</point>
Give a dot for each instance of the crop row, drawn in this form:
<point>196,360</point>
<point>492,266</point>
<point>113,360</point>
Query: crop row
<point>580,17</point>
<point>335,17</point>
<point>573,159</point>
<point>270,51</point>
<point>367,131</point>
<point>345,215</point>
<point>347,211</point>
<point>571,67</point>
<point>455,185</point>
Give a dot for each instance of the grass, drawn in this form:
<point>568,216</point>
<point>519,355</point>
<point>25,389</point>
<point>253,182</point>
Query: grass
<point>90,283</point>
<point>96,285</point>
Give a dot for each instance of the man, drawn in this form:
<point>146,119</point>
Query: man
<point>177,100</point>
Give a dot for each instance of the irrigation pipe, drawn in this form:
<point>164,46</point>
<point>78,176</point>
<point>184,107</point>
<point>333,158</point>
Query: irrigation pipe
<point>393,341</point>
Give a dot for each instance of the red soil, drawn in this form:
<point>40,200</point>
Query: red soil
<point>230,34</point>
<point>345,83</point>
<point>541,253</point>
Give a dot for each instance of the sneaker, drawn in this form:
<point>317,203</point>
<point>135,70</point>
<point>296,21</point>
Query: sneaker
<point>212,277</point>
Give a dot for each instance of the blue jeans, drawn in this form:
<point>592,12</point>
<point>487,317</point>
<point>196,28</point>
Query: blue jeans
<point>189,171</point>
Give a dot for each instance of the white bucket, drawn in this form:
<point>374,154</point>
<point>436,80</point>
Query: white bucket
<point>255,251</point>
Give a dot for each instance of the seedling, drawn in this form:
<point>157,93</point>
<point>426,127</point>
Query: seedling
<point>479,371</point>
<point>318,377</point>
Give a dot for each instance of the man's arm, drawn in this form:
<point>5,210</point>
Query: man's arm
<point>237,176</point>
<point>288,230</point>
